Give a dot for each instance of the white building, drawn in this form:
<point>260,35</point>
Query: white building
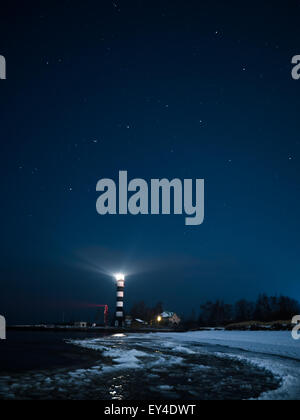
<point>170,317</point>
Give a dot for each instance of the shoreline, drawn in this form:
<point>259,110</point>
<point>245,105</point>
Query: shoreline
<point>177,370</point>
<point>102,330</point>
<point>66,357</point>
<point>86,359</point>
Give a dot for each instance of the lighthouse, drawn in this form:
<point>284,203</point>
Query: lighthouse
<point>119,321</point>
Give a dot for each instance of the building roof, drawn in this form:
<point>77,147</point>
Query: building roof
<point>167,314</point>
<point>140,320</point>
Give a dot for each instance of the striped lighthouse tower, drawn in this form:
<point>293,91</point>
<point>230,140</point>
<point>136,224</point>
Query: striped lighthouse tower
<point>120,300</point>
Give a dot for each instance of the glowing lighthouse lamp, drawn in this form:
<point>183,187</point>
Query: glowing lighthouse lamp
<point>120,278</point>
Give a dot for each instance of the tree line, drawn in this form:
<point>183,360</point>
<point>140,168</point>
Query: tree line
<point>219,314</point>
<point>265,309</point>
<point>146,313</point>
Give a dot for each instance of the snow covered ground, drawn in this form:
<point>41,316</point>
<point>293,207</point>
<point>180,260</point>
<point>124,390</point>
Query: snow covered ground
<point>193,365</point>
<point>275,351</point>
<point>278,343</point>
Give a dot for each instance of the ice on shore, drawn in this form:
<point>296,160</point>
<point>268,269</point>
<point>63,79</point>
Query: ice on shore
<point>275,351</point>
<point>279,343</point>
<point>264,365</point>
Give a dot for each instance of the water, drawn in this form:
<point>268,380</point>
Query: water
<point>24,351</point>
<point>119,367</point>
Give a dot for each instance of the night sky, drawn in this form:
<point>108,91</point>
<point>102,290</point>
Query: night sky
<point>174,89</point>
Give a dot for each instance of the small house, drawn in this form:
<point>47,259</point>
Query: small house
<point>170,318</point>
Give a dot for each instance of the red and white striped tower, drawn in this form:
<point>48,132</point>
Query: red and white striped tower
<point>119,322</point>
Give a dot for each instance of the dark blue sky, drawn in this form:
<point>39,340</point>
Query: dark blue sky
<point>194,89</point>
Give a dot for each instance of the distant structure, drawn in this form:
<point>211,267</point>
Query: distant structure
<point>80,324</point>
<point>170,318</point>
<point>119,321</point>
<point>137,323</point>
<point>105,307</point>
<point>128,321</point>
<point>140,322</point>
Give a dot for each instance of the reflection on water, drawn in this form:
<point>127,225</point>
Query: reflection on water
<point>116,389</point>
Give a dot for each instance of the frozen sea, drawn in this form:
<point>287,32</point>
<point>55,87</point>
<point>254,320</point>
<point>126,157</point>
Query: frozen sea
<point>208,365</point>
